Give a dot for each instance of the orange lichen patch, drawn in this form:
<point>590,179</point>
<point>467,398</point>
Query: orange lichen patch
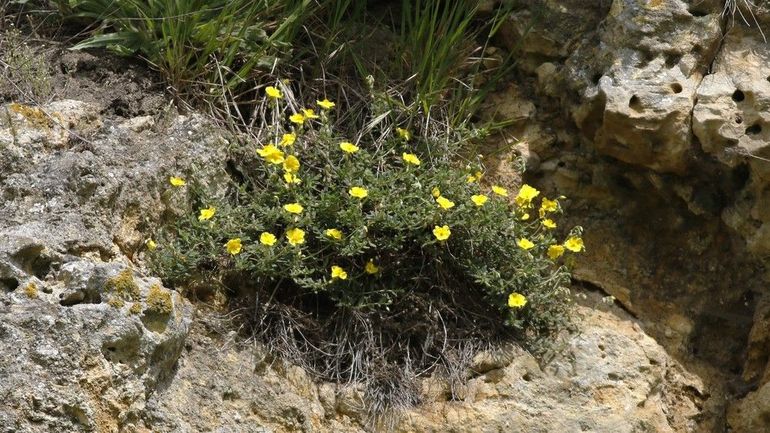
<point>159,300</point>
<point>31,290</point>
<point>116,302</point>
<point>33,115</point>
<point>123,285</point>
<point>136,308</point>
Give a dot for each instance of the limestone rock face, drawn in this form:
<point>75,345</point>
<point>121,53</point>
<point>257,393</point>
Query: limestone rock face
<point>651,116</point>
<point>609,377</point>
<point>86,337</point>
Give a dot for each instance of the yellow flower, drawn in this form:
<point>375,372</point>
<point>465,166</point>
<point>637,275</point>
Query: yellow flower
<point>516,300</point>
<point>309,113</point>
<point>176,181</point>
<point>288,139</point>
<point>525,195</point>
<point>348,147</point>
<point>410,158</point>
<point>499,190</point>
<point>334,234</point>
<point>273,93</point>
<point>290,178</point>
<point>473,177</point>
<point>549,224</point>
<point>371,268</point>
<point>271,154</point>
<point>549,205</point>
<point>479,199</point>
<point>338,272</point>
<point>234,246</point>
<point>151,245</point>
<point>207,213</point>
<point>295,236</point>
<point>442,233</point>
<point>297,118</point>
<point>358,192</point>
<point>525,217</point>
<point>267,238</point>
<point>555,251</point>
<point>436,192</point>
<point>294,208</point>
<point>445,203</point>
<point>525,244</point>
<point>404,134</point>
<point>291,164</point>
<point>326,104</point>
<point>574,244</point>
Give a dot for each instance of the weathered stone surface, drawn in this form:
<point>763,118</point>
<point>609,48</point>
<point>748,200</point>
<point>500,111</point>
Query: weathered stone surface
<point>88,366</point>
<point>610,377</point>
<point>86,338</point>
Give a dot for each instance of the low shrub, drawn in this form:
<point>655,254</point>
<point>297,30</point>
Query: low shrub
<point>368,251</point>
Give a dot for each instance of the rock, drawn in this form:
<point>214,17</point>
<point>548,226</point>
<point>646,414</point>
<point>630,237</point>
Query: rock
<point>84,366</point>
<point>610,377</point>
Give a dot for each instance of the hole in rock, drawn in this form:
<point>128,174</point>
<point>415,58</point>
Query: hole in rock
<point>673,60</point>
<point>738,96</point>
<point>738,119</point>
<point>635,103</point>
<point>9,284</point>
<point>596,77</point>
<point>754,129</point>
<point>676,88</point>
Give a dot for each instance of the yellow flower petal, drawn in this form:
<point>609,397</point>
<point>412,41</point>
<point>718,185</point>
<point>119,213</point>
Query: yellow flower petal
<point>295,236</point>
<point>338,272</point>
<point>294,208</point>
<point>291,179</point>
<point>288,139</point>
<point>525,244</point>
<point>234,246</point>
<point>273,93</point>
<point>206,214</point>
<point>516,300</point>
<point>271,154</point>
<point>574,244</point>
<point>371,268</point>
<point>555,251</point>
<point>334,234</point>
<point>549,205</point>
<point>267,238</point>
<point>297,118</point>
<point>548,223</point>
<point>349,147</point>
<point>525,195</point>
<point>445,203</point>
<point>436,192</point>
<point>442,233</point>
<point>176,181</point>
<point>151,245</point>
<point>479,199</point>
<point>404,134</point>
<point>499,190</point>
<point>410,158</point>
<point>326,104</point>
<point>358,192</point>
<point>291,164</point>
<point>309,113</point>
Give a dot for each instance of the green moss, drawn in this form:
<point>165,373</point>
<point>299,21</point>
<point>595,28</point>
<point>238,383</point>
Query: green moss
<point>123,285</point>
<point>31,290</point>
<point>159,300</point>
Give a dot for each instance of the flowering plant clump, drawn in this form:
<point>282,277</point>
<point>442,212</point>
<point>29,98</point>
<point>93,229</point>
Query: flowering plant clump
<point>377,221</point>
